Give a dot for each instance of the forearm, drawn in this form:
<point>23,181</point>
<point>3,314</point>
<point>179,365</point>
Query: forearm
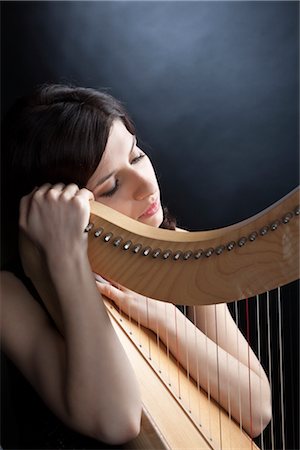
<point>100,387</point>
<point>229,381</point>
<point>93,387</point>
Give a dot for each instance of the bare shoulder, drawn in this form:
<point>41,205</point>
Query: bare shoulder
<point>9,283</point>
<point>17,303</point>
<point>22,319</point>
<point>15,295</point>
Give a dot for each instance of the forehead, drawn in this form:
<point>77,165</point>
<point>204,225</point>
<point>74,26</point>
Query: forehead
<point>119,141</point>
<point>117,149</point>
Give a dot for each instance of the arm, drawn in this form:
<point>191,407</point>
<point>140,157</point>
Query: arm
<point>224,373</point>
<point>243,384</point>
<point>82,373</point>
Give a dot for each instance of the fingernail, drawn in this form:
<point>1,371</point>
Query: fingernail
<point>100,279</point>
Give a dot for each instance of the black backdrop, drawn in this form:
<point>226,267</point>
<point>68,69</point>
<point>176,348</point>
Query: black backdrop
<point>212,88</point>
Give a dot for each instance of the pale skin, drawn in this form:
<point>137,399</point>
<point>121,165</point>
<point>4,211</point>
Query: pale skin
<point>72,364</point>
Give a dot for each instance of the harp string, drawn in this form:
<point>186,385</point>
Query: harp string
<point>249,364</point>
<point>207,375</point>
<point>272,344</point>
<point>215,421</point>
<point>238,353</point>
<point>218,373</point>
<point>167,348</point>
<point>130,318</point>
<point>291,372</point>
<point>197,363</point>
<point>157,339</point>
<point>228,377</point>
<point>270,361</point>
<point>187,359</point>
<point>148,327</point>
<point>260,361</point>
<point>177,353</point>
<point>280,337</point>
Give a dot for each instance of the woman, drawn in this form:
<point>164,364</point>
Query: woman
<point>67,146</point>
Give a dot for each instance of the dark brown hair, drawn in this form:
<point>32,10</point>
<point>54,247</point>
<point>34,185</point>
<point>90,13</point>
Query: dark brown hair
<point>57,134</point>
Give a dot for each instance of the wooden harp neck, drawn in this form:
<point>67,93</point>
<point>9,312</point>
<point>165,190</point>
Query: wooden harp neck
<point>222,265</point>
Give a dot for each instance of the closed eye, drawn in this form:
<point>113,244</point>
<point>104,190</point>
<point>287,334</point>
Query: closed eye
<point>117,183</point>
<point>112,191</point>
<point>137,158</point>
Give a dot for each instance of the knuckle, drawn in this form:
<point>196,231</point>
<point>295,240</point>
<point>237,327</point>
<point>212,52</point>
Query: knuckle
<point>58,186</point>
<point>64,197</point>
<point>51,194</point>
<point>86,193</point>
<point>36,197</point>
<point>73,185</point>
<point>79,202</point>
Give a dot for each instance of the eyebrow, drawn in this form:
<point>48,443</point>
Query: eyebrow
<point>106,177</point>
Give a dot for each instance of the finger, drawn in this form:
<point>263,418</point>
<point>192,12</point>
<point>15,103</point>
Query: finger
<point>58,186</point>
<point>120,287</point>
<point>54,191</point>
<point>85,193</point>
<point>111,292</point>
<point>41,190</point>
<point>70,190</point>
<point>23,211</point>
<point>25,203</point>
<point>100,279</point>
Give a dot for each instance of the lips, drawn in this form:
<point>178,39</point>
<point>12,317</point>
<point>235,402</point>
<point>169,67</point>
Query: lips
<point>153,208</point>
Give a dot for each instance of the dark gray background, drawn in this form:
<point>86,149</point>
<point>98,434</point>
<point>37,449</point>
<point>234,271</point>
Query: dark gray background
<point>211,86</point>
<point>213,90</point>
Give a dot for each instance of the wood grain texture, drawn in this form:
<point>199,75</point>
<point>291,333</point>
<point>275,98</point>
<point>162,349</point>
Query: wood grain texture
<point>269,261</point>
<point>177,414</point>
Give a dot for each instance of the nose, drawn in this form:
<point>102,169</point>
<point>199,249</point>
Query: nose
<point>143,187</point>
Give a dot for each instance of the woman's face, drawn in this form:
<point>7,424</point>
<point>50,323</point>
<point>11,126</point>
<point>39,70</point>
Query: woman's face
<point>125,179</point>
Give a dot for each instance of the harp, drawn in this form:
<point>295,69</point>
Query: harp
<point>255,258</point>
<point>242,261</point>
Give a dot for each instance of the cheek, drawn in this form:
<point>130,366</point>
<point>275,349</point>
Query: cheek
<point>150,173</point>
<point>120,204</point>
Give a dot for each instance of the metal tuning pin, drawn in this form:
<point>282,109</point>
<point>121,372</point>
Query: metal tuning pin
<point>166,254</point>
<point>230,246</point>
<point>275,225</point>
<point>198,253</point>
<point>287,218</point>
<point>209,252</point>
<point>146,251</point>
<point>88,227</point>
<point>242,241</point>
<point>98,232</point>
<point>219,250</point>
<point>187,255</point>
<point>253,236</point>
<point>263,231</point>
<point>136,248</point>
<point>108,237</point>
<point>177,255</point>
<point>117,241</point>
<point>127,245</point>
<point>156,252</point>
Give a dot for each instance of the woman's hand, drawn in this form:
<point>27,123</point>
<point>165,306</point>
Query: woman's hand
<point>54,218</point>
<point>146,311</point>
